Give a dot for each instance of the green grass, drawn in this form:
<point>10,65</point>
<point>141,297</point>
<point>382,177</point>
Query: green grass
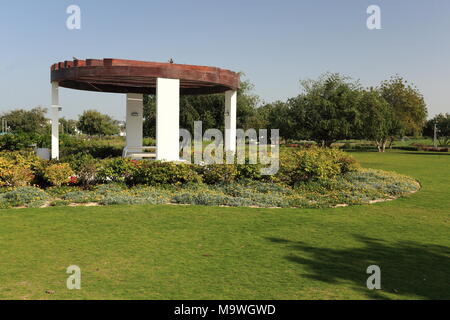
<point>187,252</point>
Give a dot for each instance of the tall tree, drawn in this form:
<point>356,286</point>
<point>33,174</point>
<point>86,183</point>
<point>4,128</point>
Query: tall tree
<point>407,103</point>
<point>92,122</point>
<point>378,123</point>
<point>327,110</point>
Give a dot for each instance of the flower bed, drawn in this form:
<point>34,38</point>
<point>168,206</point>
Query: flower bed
<point>362,187</point>
<point>308,178</point>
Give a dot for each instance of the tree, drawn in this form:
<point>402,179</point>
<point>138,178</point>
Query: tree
<point>209,109</point>
<point>276,115</point>
<point>68,126</point>
<point>378,123</point>
<point>92,122</point>
<point>442,122</point>
<point>27,121</point>
<point>327,110</point>
<point>149,114</point>
<point>407,103</point>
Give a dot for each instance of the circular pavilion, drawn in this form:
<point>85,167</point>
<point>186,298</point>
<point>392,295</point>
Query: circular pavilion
<point>135,78</point>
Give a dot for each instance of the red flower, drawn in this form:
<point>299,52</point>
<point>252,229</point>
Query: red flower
<point>73,180</point>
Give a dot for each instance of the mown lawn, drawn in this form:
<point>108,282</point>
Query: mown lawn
<point>186,252</point>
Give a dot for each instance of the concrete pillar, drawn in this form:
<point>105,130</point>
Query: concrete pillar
<point>230,121</point>
<point>55,109</point>
<point>135,120</point>
<point>167,119</point>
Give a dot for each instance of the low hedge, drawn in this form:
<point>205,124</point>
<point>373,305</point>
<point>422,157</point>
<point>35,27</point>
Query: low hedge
<point>296,166</point>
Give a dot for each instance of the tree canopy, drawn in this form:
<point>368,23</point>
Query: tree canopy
<point>407,103</point>
<point>442,122</point>
<point>209,109</point>
<point>92,122</point>
<point>27,121</point>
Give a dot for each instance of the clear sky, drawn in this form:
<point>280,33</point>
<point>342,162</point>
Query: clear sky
<point>275,43</point>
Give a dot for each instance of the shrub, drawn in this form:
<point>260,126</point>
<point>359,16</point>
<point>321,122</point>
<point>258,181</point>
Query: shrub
<point>116,170</point>
<point>215,173</point>
<point>58,174</point>
<point>22,158</point>
<point>249,171</point>
<point>13,174</point>
<point>17,141</point>
<point>96,148</point>
<point>314,163</point>
<point>347,163</point>
<point>156,173</point>
<point>78,160</point>
<point>87,175</point>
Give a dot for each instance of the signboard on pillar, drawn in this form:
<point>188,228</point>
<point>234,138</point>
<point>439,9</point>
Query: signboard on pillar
<point>135,120</point>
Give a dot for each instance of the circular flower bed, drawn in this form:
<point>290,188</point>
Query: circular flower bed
<point>359,187</point>
<point>307,178</point>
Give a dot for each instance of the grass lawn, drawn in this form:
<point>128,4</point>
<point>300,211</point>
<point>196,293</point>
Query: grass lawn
<point>187,252</point>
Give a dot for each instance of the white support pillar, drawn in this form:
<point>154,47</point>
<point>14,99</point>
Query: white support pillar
<point>168,119</point>
<point>230,121</point>
<point>55,109</point>
<point>135,120</point>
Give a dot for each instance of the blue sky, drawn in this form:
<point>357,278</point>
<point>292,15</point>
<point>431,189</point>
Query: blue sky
<point>275,43</point>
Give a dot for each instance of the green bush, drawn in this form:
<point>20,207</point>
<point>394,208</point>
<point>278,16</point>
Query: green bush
<point>17,141</point>
<point>58,174</point>
<point>156,173</point>
<point>347,163</point>
<point>216,173</point>
<point>78,160</point>
<point>314,163</point>
<point>97,148</point>
<point>249,171</point>
<point>116,170</point>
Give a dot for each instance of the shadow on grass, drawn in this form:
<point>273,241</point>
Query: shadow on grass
<point>407,268</point>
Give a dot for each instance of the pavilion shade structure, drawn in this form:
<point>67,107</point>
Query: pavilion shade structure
<point>129,76</point>
<point>135,78</point>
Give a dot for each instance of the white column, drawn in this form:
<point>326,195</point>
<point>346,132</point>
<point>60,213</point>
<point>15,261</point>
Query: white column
<point>230,120</point>
<point>55,109</point>
<point>135,120</point>
<point>167,119</point>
